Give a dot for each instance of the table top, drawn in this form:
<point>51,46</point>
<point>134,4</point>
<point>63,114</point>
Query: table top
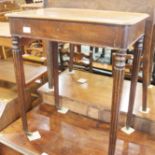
<point>32,71</point>
<point>4,29</point>
<point>82,15</point>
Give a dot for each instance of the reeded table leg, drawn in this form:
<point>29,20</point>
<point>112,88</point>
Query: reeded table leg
<point>20,80</point>
<point>134,78</point>
<point>116,98</point>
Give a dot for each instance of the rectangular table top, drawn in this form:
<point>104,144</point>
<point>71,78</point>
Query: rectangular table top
<point>82,15</point>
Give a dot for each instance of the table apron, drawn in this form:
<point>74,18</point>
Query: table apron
<point>101,35</point>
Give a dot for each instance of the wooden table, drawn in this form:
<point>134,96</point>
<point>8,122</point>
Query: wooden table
<point>117,30</point>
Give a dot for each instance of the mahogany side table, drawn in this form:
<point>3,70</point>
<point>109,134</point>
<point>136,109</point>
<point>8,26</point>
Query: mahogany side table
<point>98,28</point>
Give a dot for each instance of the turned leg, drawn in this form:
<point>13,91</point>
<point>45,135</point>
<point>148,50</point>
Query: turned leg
<point>134,78</point>
<point>55,72</point>
<point>20,80</point>
<point>113,51</point>
<point>116,98</point>
<point>48,48</point>
<point>71,57</point>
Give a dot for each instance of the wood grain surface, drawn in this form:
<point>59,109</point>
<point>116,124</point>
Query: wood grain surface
<point>71,134</point>
<point>32,71</point>
<point>82,15</point>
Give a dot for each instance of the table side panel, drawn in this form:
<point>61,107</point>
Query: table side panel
<point>74,32</point>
